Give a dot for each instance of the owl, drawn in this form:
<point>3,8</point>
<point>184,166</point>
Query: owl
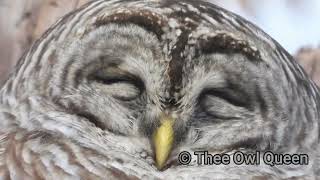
<point>118,89</point>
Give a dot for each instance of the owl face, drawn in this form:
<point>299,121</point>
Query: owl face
<point>123,79</point>
<point>221,82</point>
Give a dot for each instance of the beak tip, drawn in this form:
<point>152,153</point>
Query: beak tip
<point>159,163</point>
<point>160,166</point>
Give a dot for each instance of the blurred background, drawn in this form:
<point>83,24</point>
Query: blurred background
<point>294,24</point>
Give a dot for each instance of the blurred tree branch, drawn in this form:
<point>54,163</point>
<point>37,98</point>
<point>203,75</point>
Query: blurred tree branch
<point>309,58</point>
<point>23,21</point>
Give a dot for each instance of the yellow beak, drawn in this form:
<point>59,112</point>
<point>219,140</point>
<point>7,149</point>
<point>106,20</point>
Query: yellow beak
<point>163,141</point>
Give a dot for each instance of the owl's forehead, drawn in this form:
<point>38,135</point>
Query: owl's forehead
<point>178,22</point>
<point>185,29</point>
<point>172,20</point>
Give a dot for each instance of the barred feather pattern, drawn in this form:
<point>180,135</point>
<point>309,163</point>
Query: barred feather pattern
<point>55,123</point>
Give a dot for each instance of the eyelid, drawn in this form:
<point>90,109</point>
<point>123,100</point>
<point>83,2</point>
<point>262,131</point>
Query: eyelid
<point>111,80</point>
<point>124,91</point>
<point>234,97</point>
<point>221,106</point>
<point>113,74</point>
<point>115,77</point>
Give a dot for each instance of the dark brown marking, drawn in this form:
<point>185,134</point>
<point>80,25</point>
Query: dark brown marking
<point>177,53</point>
<point>152,22</point>
<point>176,64</point>
<point>223,42</point>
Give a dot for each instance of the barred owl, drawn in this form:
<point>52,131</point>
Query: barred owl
<point>117,89</point>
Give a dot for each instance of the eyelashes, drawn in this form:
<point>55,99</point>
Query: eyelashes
<point>234,97</point>
<point>224,103</point>
<point>118,83</point>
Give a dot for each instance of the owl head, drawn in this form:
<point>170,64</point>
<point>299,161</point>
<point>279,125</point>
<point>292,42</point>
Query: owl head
<point>169,76</point>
